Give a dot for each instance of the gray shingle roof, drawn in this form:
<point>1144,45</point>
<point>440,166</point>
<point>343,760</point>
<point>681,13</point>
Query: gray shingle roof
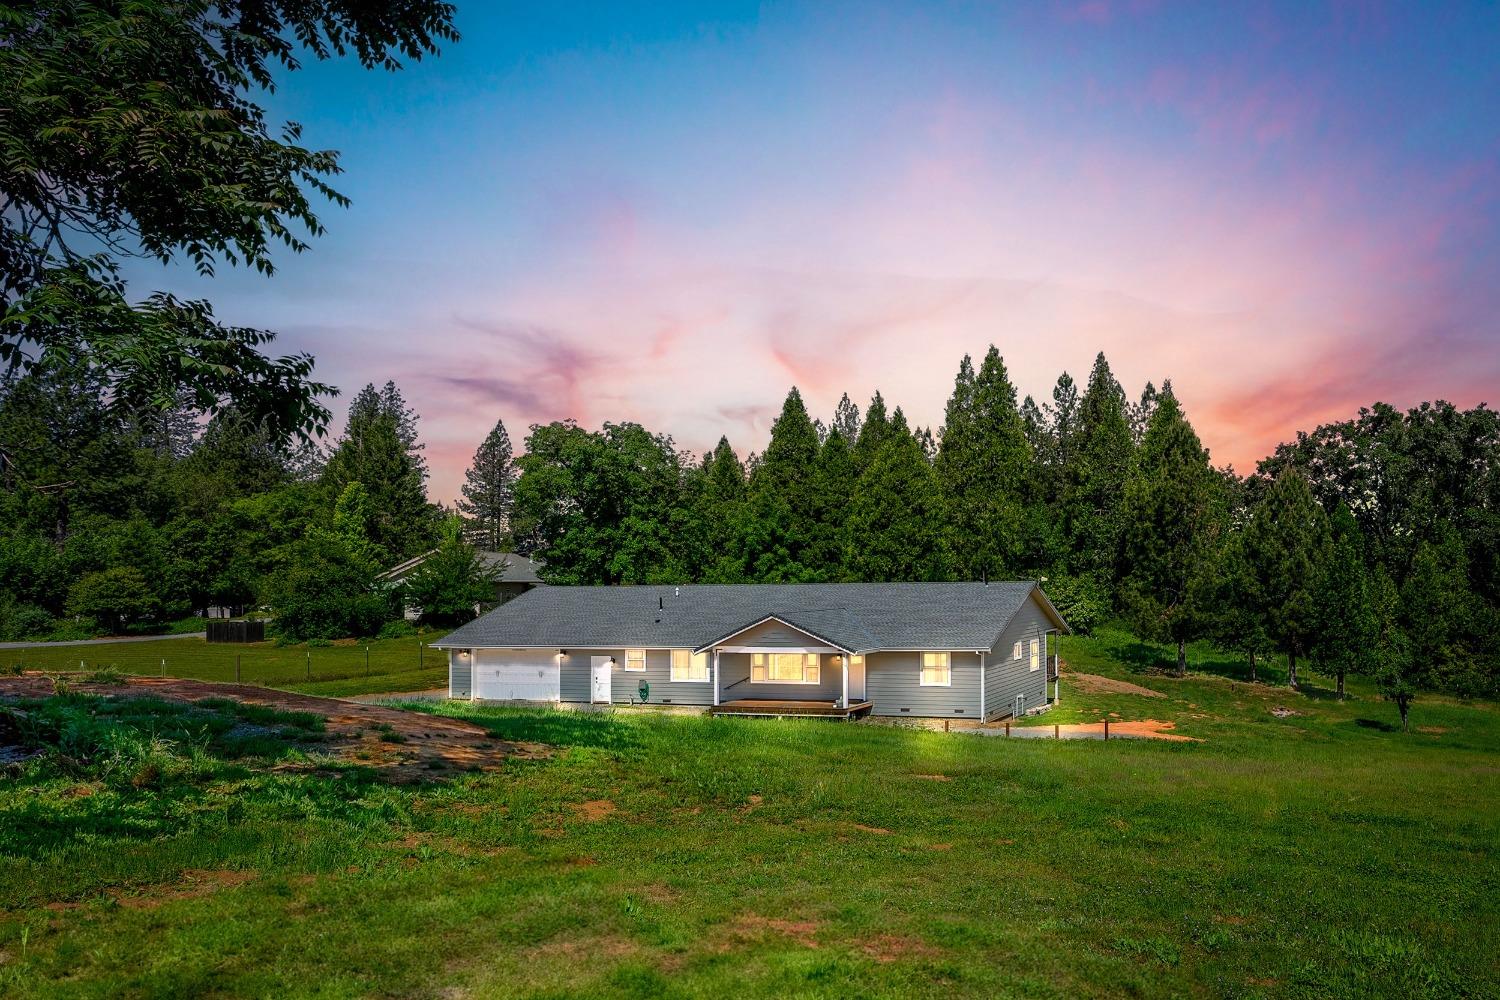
<point>854,616</point>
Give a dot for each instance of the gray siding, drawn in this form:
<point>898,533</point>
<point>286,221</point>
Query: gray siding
<point>1006,677</point>
<point>893,684</point>
<point>625,685</point>
<point>573,684</point>
<point>735,683</point>
<point>460,675</point>
<point>776,635</point>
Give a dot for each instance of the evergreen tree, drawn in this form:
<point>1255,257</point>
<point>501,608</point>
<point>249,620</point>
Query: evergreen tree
<point>1034,423</point>
<point>895,530</point>
<point>377,450</point>
<point>352,520</point>
<point>983,471</point>
<point>720,515</point>
<point>1171,519</point>
<point>489,489</point>
<point>1285,543</point>
<point>835,479</point>
<point>1140,413</point>
<point>1347,629</point>
<point>1094,476</point>
<point>873,432</point>
<point>780,517</point>
<point>1235,619</point>
<point>846,420</point>
<point>1397,670</point>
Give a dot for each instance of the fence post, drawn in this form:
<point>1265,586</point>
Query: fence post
<point>309,664</point>
<point>1007,729</point>
<point>367,660</point>
<point>236,668</point>
<point>1106,729</point>
<point>1056,731</point>
<point>421,654</point>
<point>164,666</point>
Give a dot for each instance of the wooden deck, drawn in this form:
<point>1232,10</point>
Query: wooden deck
<point>800,709</point>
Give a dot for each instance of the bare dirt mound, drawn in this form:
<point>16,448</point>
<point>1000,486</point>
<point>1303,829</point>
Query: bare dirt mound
<point>1150,729</point>
<point>1093,683</point>
<point>403,746</point>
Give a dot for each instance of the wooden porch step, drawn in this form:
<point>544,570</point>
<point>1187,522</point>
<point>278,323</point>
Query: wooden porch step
<point>765,708</point>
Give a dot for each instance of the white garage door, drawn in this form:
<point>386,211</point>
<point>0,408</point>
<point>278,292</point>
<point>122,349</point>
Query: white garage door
<point>519,675</point>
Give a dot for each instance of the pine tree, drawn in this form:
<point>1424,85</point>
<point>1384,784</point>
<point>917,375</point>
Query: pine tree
<point>1094,474</point>
<point>1235,619</point>
<point>1347,627</point>
<point>873,432</point>
<point>1140,413</point>
<point>1171,518</point>
<point>1285,543</point>
<point>489,489</point>
<point>780,514</point>
<point>895,530</point>
<point>376,451</point>
<point>721,512</point>
<point>846,420</point>
<point>835,479</point>
<point>983,471</point>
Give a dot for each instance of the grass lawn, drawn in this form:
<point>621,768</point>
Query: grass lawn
<point>336,670</point>
<point>1319,854</point>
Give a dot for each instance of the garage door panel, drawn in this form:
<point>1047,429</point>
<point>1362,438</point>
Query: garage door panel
<point>519,675</point>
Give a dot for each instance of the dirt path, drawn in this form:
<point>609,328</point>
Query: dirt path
<point>1142,729</point>
<point>1095,684</point>
<point>405,746</point>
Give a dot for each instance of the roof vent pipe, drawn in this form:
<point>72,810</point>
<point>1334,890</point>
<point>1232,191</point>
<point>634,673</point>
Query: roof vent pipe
<point>660,604</point>
<point>676,591</point>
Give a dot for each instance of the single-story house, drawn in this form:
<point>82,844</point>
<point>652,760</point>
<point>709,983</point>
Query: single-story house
<point>515,573</point>
<point>926,650</point>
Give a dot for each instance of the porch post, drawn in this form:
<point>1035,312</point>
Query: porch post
<point>981,685</point>
<point>844,659</point>
<point>716,676</point>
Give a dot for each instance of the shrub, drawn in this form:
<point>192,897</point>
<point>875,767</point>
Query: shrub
<point>1082,601</point>
<point>397,629</point>
<point>324,593</point>
<point>19,622</point>
<point>112,597</point>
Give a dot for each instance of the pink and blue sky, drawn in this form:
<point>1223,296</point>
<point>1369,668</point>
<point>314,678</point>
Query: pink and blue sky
<point>671,213</point>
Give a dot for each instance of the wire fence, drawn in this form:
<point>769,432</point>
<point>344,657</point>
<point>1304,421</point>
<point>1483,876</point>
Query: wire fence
<point>257,663</point>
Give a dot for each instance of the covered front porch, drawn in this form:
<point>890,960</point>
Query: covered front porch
<point>767,708</point>
<point>775,669</point>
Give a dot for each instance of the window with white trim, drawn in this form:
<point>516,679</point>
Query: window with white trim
<point>1015,652</point>
<point>937,670</point>
<point>635,659</point>
<point>783,668</point>
<point>689,666</point>
<point>1036,659</point>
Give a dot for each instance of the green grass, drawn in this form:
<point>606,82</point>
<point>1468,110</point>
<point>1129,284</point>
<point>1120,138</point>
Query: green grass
<point>336,670</point>
<point>1318,855</point>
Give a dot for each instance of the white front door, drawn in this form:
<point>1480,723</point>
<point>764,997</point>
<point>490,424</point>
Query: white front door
<point>601,668</point>
<point>857,679</point>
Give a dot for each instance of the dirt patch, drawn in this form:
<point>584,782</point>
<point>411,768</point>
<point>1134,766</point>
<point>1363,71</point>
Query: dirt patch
<point>1095,684</point>
<point>1282,712</point>
<point>1434,730</point>
<point>429,746</point>
<point>891,948</point>
<point>933,777</point>
<point>595,810</point>
<point>1151,729</point>
<point>801,931</point>
<point>195,884</point>
<point>870,829</point>
<point>573,948</point>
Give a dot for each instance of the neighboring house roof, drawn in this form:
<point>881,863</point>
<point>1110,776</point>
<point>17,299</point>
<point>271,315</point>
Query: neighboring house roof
<point>857,617</point>
<point>514,567</point>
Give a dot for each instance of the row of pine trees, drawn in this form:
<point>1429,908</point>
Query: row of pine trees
<point>1113,502</point>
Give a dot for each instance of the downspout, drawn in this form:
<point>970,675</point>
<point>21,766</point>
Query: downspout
<point>981,686</point>
<point>716,677</point>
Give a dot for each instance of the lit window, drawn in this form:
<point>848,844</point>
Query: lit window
<point>635,659</point>
<point>1015,653</point>
<point>783,668</point>
<point>689,666</point>
<point>857,661</point>
<point>937,671</point>
<point>1036,656</point>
